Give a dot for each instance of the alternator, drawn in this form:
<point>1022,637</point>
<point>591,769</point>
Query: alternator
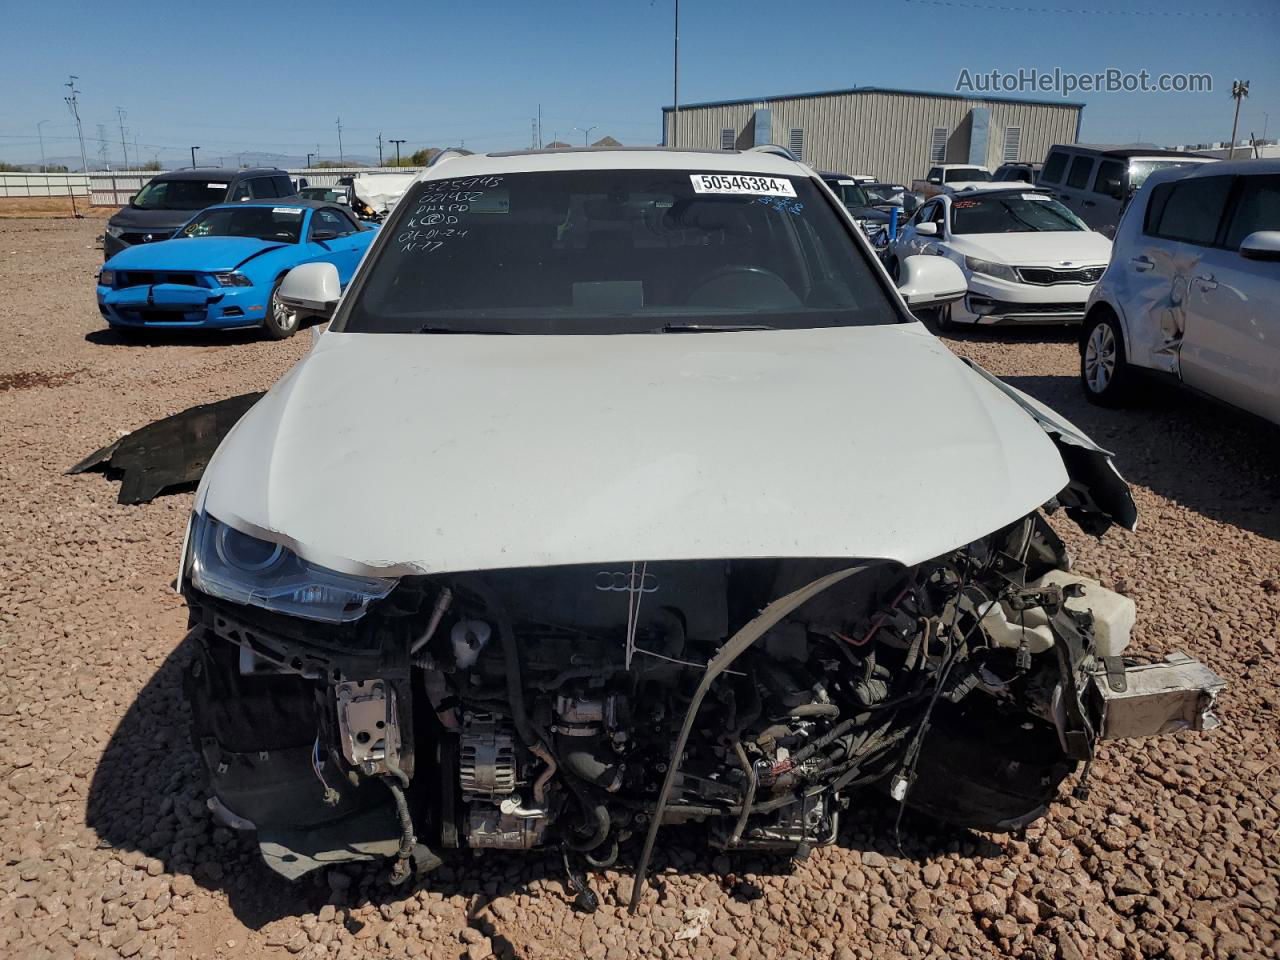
<point>487,765</point>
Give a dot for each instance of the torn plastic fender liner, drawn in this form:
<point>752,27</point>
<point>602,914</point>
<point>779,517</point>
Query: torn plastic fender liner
<point>1097,495</point>
<point>168,453</point>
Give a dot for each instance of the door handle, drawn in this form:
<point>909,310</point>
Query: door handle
<point>1207,283</point>
<point>1142,264</point>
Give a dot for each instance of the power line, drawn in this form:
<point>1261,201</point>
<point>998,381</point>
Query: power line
<point>1093,11</point>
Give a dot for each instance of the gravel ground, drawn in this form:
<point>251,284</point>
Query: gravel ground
<point>106,849</point>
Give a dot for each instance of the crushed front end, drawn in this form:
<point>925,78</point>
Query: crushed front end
<point>348,718</point>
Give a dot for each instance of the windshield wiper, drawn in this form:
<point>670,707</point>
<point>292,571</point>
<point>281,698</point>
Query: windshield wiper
<point>436,328</point>
<point>710,327</point>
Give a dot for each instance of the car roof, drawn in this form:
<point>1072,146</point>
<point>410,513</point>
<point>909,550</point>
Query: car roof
<point>279,202</point>
<point>216,173</point>
<point>995,186</point>
<point>614,158</point>
<point>1128,151</point>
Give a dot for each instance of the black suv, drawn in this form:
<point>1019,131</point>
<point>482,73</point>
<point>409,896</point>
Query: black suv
<point>171,199</point>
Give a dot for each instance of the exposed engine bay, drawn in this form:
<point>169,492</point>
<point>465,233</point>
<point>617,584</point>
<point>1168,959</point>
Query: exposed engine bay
<point>580,706</point>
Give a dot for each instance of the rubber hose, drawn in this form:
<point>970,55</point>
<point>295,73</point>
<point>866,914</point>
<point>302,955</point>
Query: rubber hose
<point>814,710</point>
<point>585,765</point>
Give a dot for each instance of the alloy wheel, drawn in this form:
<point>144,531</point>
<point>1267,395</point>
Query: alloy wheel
<point>1100,358</point>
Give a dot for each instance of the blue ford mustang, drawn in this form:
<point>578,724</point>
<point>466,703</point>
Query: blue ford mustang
<point>223,269</point>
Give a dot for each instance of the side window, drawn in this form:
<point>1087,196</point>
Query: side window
<point>1109,180</point>
<point>240,191</point>
<point>939,216</point>
<point>935,173</point>
<point>284,187</point>
<point>1078,175</point>
<point>263,188</point>
<point>1155,208</point>
<point>925,213</point>
<point>332,221</point>
<point>1193,210</point>
<point>1257,209</point>
<point>1054,166</point>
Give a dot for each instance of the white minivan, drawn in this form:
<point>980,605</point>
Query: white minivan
<point>1096,183</point>
<point>1193,289</point>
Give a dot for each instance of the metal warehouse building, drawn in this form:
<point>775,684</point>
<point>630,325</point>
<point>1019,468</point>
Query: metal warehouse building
<point>891,134</point>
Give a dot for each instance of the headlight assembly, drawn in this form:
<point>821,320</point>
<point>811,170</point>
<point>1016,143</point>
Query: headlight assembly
<point>107,278</point>
<point>243,569</point>
<point>233,280</point>
<point>998,270</point>
<point>115,231</point>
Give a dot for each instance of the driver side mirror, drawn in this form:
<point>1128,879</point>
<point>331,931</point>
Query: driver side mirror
<point>312,288</point>
<point>1113,189</point>
<point>319,236</point>
<point>925,282</point>
<point>927,229</point>
<point>937,181</point>
<point>1261,245</point>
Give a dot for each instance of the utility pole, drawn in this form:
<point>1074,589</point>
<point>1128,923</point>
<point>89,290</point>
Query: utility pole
<point>40,134</point>
<point>539,126</point>
<point>1239,90</point>
<point>675,78</point>
<point>341,158</point>
<point>102,146</point>
<point>586,134</point>
<point>124,151</point>
<point>309,156</point>
<point>73,104</point>
<point>193,155</point>
<point>379,149</point>
<point>397,143</point>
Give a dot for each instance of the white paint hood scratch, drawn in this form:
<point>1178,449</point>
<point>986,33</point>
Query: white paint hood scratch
<point>393,454</point>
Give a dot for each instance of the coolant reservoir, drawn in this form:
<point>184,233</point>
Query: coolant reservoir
<point>1113,613</point>
<point>1113,617</point>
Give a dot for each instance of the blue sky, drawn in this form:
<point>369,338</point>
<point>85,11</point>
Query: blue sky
<point>236,76</point>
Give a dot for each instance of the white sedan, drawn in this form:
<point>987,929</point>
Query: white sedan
<point>1026,257</point>
<point>624,490</point>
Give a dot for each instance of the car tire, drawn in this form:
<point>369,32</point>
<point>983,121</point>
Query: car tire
<point>942,319</point>
<point>281,322</point>
<point>1104,370</point>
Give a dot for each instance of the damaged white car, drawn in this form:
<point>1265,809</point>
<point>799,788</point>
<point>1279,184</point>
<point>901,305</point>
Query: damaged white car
<point>625,491</point>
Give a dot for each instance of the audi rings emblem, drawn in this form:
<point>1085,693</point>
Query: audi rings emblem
<point>619,581</point>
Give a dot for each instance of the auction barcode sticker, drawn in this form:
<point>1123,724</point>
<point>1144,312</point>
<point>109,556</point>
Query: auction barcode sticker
<point>738,183</point>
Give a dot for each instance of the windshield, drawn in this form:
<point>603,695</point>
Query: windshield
<point>1139,170</point>
<point>327,194</point>
<point>180,194</point>
<point>615,251</point>
<point>966,175</point>
<point>1012,213</point>
<point>850,192</point>
<point>261,223</point>
<point>884,192</point>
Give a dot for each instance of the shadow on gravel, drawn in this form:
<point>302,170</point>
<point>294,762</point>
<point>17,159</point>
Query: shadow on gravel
<point>147,798</point>
<point>1046,333</point>
<point>1217,461</point>
<point>112,337</point>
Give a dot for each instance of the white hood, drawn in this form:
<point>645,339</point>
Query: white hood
<point>394,454</point>
<point>1082,248</point>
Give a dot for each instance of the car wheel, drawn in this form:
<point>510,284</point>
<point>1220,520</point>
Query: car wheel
<point>281,321</point>
<point>942,319</point>
<point>1104,371</point>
